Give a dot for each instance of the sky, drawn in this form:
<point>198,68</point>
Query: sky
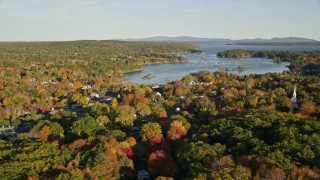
<point>55,20</point>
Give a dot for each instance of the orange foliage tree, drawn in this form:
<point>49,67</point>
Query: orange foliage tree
<point>161,163</point>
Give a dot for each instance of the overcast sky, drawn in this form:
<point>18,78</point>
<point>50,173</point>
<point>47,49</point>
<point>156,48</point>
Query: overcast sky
<point>41,20</point>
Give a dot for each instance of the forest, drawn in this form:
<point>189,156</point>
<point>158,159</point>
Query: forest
<point>39,76</point>
<point>204,126</point>
<point>103,56</point>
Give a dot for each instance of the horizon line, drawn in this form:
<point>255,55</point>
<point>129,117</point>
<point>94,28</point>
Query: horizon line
<point>142,38</point>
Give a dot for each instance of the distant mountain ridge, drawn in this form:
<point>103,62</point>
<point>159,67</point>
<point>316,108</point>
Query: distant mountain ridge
<point>277,39</point>
<point>199,39</point>
<point>293,39</point>
<point>179,39</point>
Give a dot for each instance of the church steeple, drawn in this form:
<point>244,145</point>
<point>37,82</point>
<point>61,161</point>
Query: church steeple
<point>294,104</point>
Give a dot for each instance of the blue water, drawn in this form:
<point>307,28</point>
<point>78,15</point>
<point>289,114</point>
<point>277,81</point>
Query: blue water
<point>210,62</point>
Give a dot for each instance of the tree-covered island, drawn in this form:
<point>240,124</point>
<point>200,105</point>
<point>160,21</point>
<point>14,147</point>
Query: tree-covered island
<point>307,62</point>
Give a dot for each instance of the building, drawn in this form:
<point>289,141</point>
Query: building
<point>156,86</point>
<point>85,87</point>
<point>7,133</point>
<point>95,95</point>
<point>294,103</point>
<point>143,174</point>
<point>53,111</point>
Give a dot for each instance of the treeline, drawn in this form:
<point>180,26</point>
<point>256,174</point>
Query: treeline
<point>99,55</point>
<point>306,62</point>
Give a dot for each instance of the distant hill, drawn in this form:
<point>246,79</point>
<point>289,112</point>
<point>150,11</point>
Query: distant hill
<point>180,39</point>
<point>286,41</point>
<point>293,39</point>
<point>258,41</point>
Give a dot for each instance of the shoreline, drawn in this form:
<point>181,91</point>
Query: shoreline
<point>166,62</point>
<point>154,63</point>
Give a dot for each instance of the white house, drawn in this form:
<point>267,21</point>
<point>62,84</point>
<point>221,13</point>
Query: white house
<point>182,97</point>
<point>86,87</point>
<point>155,86</point>
<point>95,95</point>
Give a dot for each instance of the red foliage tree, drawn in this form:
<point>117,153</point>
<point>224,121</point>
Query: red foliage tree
<point>129,152</point>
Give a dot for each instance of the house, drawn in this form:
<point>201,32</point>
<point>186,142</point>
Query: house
<point>156,86</point>
<point>85,87</point>
<point>106,99</point>
<point>158,94</point>
<point>200,96</point>
<point>214,93</point>
<point>53,111</point>
<point>95,95</point>
<point>109,95</point>
<point>192,83</point>
<point>7,133</point>
<point>182,97</point>
<point>143,174</point>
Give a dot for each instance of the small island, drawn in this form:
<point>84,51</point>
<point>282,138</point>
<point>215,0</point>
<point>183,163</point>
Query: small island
<point>236,53</point>
<point>239,68</point>
<point>148,76</point>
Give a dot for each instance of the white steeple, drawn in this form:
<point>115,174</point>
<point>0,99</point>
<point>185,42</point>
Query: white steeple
<point>294,95</point>
<point>294,104</point>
